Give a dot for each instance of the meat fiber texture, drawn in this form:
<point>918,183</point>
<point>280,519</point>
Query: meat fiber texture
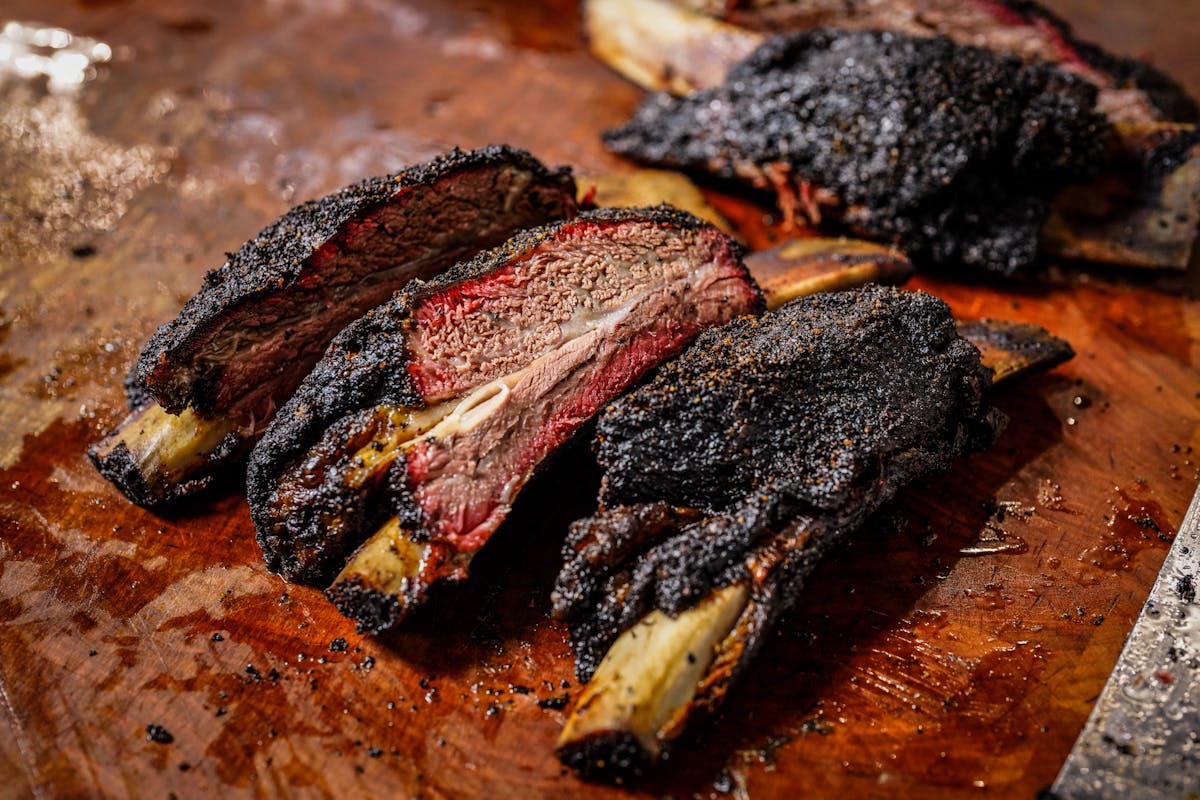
<point>952,152</point>
<point>259,322</point>
<point>479,322</point>
<point>766,442</point>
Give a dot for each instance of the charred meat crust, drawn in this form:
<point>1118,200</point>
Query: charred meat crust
<point>1165,95</point>
<point>373,610</point>
<point>291,541</point>
<point>808,418</point>
<point>121,469</point>
<point>812,394</point>
<point>607,756</point>
<point>368,365</point>
<point>604,541</point>
<point>278,257</point>
<point>954,152</point>
<point>136,396</point>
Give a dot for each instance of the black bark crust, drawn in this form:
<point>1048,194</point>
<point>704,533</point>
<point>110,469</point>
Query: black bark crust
<point>276,258</point>
<point>952,152</point>
<point>606,756</point>
<point>783,433</point>
<point>367,366</point>
<point>121,469</point>
<point>373,610</point>
<point>1168,99</point>
<point>1164,93</point>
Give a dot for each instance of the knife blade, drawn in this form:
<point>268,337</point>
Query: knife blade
<point>1142,739</point>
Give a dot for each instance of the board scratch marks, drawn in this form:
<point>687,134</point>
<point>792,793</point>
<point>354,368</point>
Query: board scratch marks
<point>28,761</point>
<point>276,103</point>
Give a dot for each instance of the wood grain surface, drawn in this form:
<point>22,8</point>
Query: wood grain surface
<point>954,650</point>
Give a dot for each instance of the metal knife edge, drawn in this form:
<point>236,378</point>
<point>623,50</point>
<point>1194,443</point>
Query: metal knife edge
<point>1142,739</point>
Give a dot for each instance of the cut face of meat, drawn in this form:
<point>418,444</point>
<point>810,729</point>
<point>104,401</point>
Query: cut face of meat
<point>953,152</point>
<point>435,408</point>
<point>209,381</point>
<point>274,306</point>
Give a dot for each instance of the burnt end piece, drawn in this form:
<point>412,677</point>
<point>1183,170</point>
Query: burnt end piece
<point>246,339</point>
<point>805,420</point>
<point>634,284</point>
<point>953,152</point>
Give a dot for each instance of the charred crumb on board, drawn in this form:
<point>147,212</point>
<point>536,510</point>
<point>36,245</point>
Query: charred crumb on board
<point>555,702</point>
<point>158,734</point>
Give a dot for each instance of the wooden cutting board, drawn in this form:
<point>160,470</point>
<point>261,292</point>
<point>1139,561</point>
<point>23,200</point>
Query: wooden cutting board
<point>955,648</point>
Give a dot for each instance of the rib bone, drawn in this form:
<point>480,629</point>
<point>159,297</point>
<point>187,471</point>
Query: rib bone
<point>365,587</point>
<point>647,685</point>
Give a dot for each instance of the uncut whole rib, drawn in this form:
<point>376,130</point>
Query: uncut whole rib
<point>1129,90</point>
<point>954,153</point>
<point>734,471</point>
